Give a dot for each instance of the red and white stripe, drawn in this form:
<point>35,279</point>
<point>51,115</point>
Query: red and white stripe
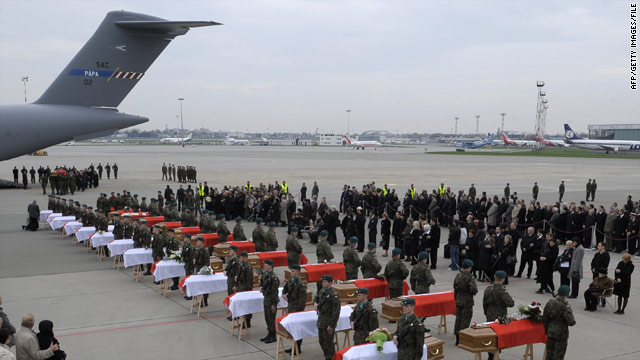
<point>128,75</point>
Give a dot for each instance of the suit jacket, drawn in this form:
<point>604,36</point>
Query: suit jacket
<point>27,347</point>
<point>576,261</point>
<point>33,210</point>
<point>373,225</point>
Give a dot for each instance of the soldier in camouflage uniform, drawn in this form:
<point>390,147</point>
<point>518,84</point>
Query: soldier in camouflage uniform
<point>91,217</point>
<point>556,318</point>
<point>395,272</point>
<point>269,284</point>
<point>102,224</point>
<point>166,211</point>
<point>174,215</point>
<point>135,204</point>
<point>270,238</point>
<point>127,232</point>
<point>172,245</point>
<point>145,240</point>
<point>370,266</point>
<point>364,317</point>
<point>188,257</point>
<point>323,250</point>
<point>143,205</point>
<point>464,288</point>
<point>258,236</point>
<point>118,227</point>
<point>185,219</point>
<point>231,270</point>
<point>244,279</point>
<point>153,207</point>
<point>351,259</point>
<point>421,278</point>
<point>201,259</point>
<point>238,230</point>
<point>159,242</point>
<point>327,304</point>
<point>293,247</point>
<point>496,299</point>
<point>295,293</point>
<point>223,231</point>
<point>410,334</point>
<point>203,224</point>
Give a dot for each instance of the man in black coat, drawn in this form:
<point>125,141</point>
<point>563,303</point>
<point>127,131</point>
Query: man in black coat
<point>180,194</point>
<point>600,260</point>
<point>434,242</point>
<point>619,230</point>
<point>34,214</point>
<point>601,218</point>
<point>360,224</point>
<point>373,227</point>
<point>528,247</point>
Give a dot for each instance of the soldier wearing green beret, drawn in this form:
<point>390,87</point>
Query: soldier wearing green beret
<point>118,228</point>
<point>556,318</point>
<point>410,334</point>
<point>269,284</point>
<point>351,259</point>
<point>370,266</point>
<point>231,270</point>
<point>295,293</point>
<point>238,230</point>
<point>364,317</point>
<point>143,205</point>
<point>173,245</point>
<point>270,238</point>
<point>258,236</point>
<point>421,278</point>
<point>203,223</point>
<point>323,250</point>
<point>464,288</point>
<point>201,259</point>
<point>327,304</point>
<point>159,242</point>
<point>293,247</point>
<point>496,299</point>
<point>244,279</point>
<point>223,231</point>
<point>395,272</point>
<point>188,256</point>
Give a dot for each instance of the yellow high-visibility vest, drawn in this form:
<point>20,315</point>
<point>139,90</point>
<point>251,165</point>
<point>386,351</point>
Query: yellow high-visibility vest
<point>248,187</point>
<point>285,188</point>
<point>385,191</point>
<point>413,192</point>
<point>201,190</point>
<point>442,189</point>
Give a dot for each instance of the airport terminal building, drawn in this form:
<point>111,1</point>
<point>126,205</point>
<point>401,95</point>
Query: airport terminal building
<point>614,132</point>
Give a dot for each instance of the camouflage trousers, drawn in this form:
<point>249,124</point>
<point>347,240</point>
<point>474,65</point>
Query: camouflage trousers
<point>359,337</point>
<point>463,318</point>
<point>270,315</point>
<point>556,348</point>
<point>395,292</point>
<point>326,343</point>
<point>352,275</point>
<point>408,353</point>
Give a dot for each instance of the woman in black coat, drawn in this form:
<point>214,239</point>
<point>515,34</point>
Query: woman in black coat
<point>506,258</point>
<point>385,231</point>
<point>622,285</point>
<point>471,248</point>
<point>486,257</point>
<point>46,338</point>
<point>548,257</point>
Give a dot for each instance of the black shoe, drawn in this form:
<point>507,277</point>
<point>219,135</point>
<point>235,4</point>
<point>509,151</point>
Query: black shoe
<point>528,276</point>
<point>156,283</point>
<point>188,298</point>
<point>147,273</point>
<point>621,312</point>
<point>206,302</point>
<point>288,351</point>
<point>271,340</point>
<point>230,318</point>
<point>266,337</point>
<point>572,297</point>
<point>433,267</point>
<point>540,291</point>
<point>174,287</point>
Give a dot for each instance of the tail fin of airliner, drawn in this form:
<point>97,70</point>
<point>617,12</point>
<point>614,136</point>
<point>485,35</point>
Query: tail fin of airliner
<point>114,59</point>
<point>569,134</point>
<point>349,139</point>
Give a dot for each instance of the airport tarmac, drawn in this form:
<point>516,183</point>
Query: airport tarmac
<point>101,313</point>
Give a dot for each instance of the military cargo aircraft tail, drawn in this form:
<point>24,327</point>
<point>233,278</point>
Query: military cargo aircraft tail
<point>114,59</point>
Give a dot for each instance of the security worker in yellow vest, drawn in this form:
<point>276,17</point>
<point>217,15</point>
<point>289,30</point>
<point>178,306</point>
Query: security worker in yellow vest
<point>413,191</point>
<point>442,189</point>
<point>385,190</point>
<point>248,186</point>
<point>200,190</point>
<point>284,187</point>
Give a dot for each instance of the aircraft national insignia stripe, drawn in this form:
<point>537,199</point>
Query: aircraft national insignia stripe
<point>128,75</point>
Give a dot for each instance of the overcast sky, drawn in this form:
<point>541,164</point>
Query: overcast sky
<point>397,65</point>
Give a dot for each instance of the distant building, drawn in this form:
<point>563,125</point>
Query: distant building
<point>290,142</point>
<point>615,132</point>
<point>330,140</point>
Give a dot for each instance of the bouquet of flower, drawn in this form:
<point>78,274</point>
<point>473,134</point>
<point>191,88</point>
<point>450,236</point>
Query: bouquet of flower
<point>505,319</point>
<point>532,312</point>
<point>379,336</point>
<point>380,277</point>
<point>206,270</point>
<point>101,232</point>
<point>175,255</point>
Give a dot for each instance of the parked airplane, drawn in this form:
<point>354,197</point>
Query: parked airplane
<point>82,102</point>
<point>550,142</point>
<point>176,140</point>
<point>510,142</point>
<point>606,145</point>
<point>361,144</point>
<point>232,141</point>
<point>475,144</point>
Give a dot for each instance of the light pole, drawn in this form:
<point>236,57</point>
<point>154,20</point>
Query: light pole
<point>502,126</point>
<point>25,79</point>
<point>455,131</point>
<point>181,120</point>
<point>177,121</point>
<point>348,121</point>
<point>477,124</point>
